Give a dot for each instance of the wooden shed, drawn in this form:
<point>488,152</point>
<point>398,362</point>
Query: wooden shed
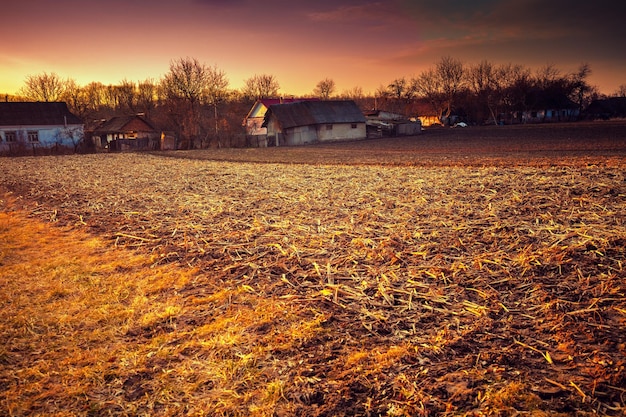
<point>127,133</point>
<point>383,123</point>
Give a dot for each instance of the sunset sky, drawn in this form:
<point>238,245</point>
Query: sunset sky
<point>356,43</point>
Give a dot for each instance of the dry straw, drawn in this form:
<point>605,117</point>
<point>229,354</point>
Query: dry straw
<point>330,289</point>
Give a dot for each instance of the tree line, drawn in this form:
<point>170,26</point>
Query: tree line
<point>488,93</point>
<point>194,101</point>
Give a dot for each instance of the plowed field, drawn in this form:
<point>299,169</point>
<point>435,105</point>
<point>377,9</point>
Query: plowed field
<point>476,271</point>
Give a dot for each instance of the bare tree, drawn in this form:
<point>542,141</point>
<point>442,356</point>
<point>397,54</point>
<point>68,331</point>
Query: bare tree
<point>451,74</point>
<point>581,90</point>
<point>499,88</point>
<point>187,82</point>
<point>554,89</point>
<point>395,88</point>
<point>398,95</point>
<point>508,74</point>
<point>547,75</point>
<point>355,93</point>
<point>325,88</point>
<point>481,82</point>
<point>111,97</point>
<point>381,92</point>
<point>146,95</point>
<point>76,99</point>
<point>95,95</point>
<point>405,89</point>
<point>620,91</point>
<point>216,92</point>
<point>516,83</point>
<point>441,85</point>
<point>480,77</point>
<point>127,95</point>
<point>44,87</point>
<point>260,86</point>
<point>429,87</point>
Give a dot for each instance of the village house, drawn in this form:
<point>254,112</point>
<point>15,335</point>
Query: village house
<point>256,133</point>
<point>123,133</point>
<point>27,127</point>
<point>306,122</point>
<point>549,111</point>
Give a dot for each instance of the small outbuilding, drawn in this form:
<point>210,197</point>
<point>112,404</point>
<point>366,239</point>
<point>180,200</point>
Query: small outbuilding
<point>123,133</point>
<point>26,127</point>
<point>383,123</point>
<point>309,122</point>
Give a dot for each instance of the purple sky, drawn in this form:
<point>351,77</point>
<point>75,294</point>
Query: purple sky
<point>356,43</point>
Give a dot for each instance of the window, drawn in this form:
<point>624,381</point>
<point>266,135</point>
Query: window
<point>353,125</point>
<point>33,136</point>
<point>10,136</point>
<point>329,127</point>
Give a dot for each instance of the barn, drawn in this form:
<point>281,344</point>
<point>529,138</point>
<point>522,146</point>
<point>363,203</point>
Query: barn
<point>256,134</point>
<point>27,127</point>
<point>306,122</point>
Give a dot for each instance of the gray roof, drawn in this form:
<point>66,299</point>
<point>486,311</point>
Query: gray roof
<point>36,114</point>
<point>306,113</point>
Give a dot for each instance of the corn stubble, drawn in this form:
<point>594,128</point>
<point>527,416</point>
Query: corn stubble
<point>169,286</point>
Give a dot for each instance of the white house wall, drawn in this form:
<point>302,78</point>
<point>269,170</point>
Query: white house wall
<point>338,131</point>
<point>300,135</point>
<point>48,136</point>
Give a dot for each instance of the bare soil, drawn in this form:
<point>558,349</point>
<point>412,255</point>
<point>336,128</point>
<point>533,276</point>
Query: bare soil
<point>440,146</point>
<point>475,271</point>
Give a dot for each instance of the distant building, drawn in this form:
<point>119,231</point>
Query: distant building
<point>127,133</point>
<point>308,122</point>
<point>544,106</point>
<point>549,112</point>
<point>26,127</point>
<point>384,123</point>
<point>608,108</point>
<point>256,133</point>
<point>425,113</point>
